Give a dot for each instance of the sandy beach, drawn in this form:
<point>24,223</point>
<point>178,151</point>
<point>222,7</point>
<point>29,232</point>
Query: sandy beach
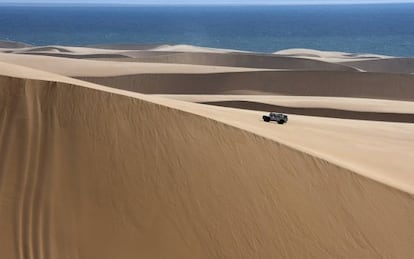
<point>160,151</point>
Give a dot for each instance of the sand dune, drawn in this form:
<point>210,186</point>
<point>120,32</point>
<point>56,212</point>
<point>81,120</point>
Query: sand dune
<point>12,45</point>
<point>92,172</point>
<point>210,59</point>
<point>320,112</point>
<point>126,46</point>
<point>386,65</point>
<point>52,53</point>
<point>236,60</point>
<point>70,52</point>
<point>192,48</point>
<point>329,56</point>
<point>164,48</point>
<point>303,83</point>
<point>64,49</point>
<point>89,171</point>
<point>79,68</point>
<point>113,50</point>
<point>363,62</point>
<point>53,49</point>
<point>184,54</point>
<point>338,103</point>
<point>333,107</point>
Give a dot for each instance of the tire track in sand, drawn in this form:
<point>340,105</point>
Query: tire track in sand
<point>29,211</point>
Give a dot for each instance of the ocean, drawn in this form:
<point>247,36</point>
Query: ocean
<point>382,29</point>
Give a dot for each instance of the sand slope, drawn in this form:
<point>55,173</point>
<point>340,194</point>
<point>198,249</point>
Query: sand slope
<point>91,172</point>
<point>320,112</point>
<point>333,107</point>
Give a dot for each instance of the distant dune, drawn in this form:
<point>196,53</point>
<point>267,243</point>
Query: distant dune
<point>388,65</point>
<point>337,103</point>
<point>236,60</point>
<point>205,57</point>
<point>329,56</point>
<point>12,44</point>
<point>320,112</point>
<point>114,169</point>
<point>167,48</point>
<point>126,46</point>
<point>79,68</point>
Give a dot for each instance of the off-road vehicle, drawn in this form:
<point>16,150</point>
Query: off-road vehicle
<point>278,117</point>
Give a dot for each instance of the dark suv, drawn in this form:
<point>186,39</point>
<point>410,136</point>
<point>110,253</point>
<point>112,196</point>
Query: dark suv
<point>278,117</point>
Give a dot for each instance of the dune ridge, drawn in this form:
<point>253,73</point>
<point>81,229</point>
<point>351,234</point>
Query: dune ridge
<point>12,44</point>
<point>66,54</point>
<point>194,204</point>
<point>330,56</point>
<point>320,112</point>
<point>167,48</point>
<point>329,107</point>
<point>303,83</point>
<point>128,46</point>
<point>337,103</point>
<point>386,65</point>
<point>236,60</point>
<point>79,68</point>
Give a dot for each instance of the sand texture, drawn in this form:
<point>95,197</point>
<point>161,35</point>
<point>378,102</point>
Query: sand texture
<point>169,158</point>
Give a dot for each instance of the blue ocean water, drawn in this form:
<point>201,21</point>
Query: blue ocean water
<point>382,29</point>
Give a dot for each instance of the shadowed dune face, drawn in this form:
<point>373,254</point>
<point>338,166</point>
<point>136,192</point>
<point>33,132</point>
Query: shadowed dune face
<point>52,49</point>
<point>12,44</point>
<point>210,59</point>
<point>304,83</point>
<point>388,65</point>
<point>236,60</point>
<point>66,54</point>
<point>127,46</point>
<point>82,67</point>
<point>93,174</point>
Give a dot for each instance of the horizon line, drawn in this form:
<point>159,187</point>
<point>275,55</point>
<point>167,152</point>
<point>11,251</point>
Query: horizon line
<point>80,3</point>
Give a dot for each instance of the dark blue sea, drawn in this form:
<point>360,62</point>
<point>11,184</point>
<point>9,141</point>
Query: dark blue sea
<point>382,29</point>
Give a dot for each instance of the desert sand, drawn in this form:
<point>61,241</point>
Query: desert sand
<point>129,151</point>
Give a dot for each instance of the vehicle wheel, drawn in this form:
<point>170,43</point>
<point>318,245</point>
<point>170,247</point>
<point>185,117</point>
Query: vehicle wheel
<point>266,118</point>
<point>281,122</point>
